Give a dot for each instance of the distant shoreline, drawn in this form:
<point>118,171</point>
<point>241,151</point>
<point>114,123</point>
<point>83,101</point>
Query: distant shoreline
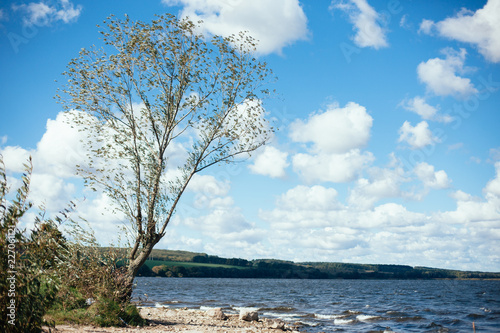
<point>170,263</point>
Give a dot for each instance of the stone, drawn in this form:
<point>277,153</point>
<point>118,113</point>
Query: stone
<point>248,315</point>
<point>278,324</point>
<point>217,313</point>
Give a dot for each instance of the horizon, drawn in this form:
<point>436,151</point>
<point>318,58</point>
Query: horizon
<point>388,147</point>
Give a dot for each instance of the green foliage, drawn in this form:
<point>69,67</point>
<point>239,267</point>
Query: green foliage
<point>107,312</point>
<point>42,272</point>
<point>149,85</point>
<point>29,264</point>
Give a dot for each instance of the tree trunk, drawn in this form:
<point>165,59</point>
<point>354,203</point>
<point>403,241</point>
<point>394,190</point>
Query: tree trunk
<point>133,267</point>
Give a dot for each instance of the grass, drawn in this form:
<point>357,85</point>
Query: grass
<point>153,263</point>
<point>103,313</point>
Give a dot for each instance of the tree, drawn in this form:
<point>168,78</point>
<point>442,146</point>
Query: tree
<point>152,87</point>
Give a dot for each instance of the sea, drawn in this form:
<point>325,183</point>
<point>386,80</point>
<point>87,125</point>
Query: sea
<point>338,305</point>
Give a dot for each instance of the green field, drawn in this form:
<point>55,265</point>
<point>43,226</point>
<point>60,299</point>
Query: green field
<point>153,263</point>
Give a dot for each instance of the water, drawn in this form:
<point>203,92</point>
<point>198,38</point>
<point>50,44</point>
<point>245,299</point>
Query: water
<point>339,305</point>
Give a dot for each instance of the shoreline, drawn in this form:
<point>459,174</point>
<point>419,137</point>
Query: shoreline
<point>165,319</point>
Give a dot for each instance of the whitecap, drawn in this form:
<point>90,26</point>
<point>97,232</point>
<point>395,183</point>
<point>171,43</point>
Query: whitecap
<point>158,305</point>
<point>206,308</point>
<point>243,308</point>
<point>323,316</point>
<point>283,316</point>
<point>308,323</point>
<point>366,317</point>
<point>343,321</point>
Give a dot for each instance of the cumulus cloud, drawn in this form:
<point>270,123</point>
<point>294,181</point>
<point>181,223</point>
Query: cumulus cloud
<point>208,185</point>
<point>270,162</point>
<point>336,168</point>
<point>323,229</point>
<point>382,183</point>
<point>426,26</point>
<point>431,178</point>
<point>480,28</point>
<point>275,24</point>
<point>315,198</point>
<point>440,75</point>
<point>336,136</point>
<point>42,14</point>
<point>419,106</point>
<point>337,130</point>
<point>417,136</point>
<point>492,189</point>
<point>366,21</point>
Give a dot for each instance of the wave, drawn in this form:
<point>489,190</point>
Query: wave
<point>343,321</point>
<point>245,308</point>
<point>323,316</point>
<point>159,305</point>
<point>206,308</point>
<point>367,317</point>
<point>282,316</point>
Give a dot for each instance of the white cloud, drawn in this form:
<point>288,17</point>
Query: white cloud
<point>337,130</point>
<point>51,190</point>
<point>337,168</point>
<point>431,178</point>
<point>382,183</point>
<point>270,162</point>
<point>68,12</point>
<point>60,149</point>
<point>336,136</point>
<point>426,26</point>
<point>480,28</point>
<point>416,136</point>
<point>440,75</point>
<point>387,233</point>
<point>41,14</point>
<point>208,185</point>
<point>14,158</point>
<point>275,24</point>
<point>492,189</point>
<point>315,198</point>
<point>424,110</point>
<point>369,33</point>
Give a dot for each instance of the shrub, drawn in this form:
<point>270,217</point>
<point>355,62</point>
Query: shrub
<point>43,270</point>
<point>29,278</point>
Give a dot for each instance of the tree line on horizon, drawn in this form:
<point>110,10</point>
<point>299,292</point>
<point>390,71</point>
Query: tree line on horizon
<point>163,263</point>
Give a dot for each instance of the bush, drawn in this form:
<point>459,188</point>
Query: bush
<point>42,270</point>
<point>29,278</point>
<point>108,312</point>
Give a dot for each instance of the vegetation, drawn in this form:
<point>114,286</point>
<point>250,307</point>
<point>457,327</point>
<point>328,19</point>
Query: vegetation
<point>46,278</point>
<point>203,265</point>
<point>140,95</point>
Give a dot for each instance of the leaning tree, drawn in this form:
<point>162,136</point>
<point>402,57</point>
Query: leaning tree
<point>154,86</point>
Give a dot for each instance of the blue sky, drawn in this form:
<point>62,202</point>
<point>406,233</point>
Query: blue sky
<point>388,149</point>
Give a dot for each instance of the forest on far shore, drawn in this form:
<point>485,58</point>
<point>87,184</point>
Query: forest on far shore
<point>169,263</point>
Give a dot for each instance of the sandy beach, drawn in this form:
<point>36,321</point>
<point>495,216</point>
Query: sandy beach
<point>187,320</point>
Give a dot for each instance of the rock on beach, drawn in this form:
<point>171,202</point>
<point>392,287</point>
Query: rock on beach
<point>248,315</point>
<point>164,319</point>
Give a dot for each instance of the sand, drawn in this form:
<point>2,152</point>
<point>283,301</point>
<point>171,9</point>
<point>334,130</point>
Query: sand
<point>187,320</point>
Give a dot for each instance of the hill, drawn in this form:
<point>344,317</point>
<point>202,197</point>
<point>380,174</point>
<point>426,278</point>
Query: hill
<point>170,263</point>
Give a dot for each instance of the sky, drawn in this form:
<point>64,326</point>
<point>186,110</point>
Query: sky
<point>387,149</point>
